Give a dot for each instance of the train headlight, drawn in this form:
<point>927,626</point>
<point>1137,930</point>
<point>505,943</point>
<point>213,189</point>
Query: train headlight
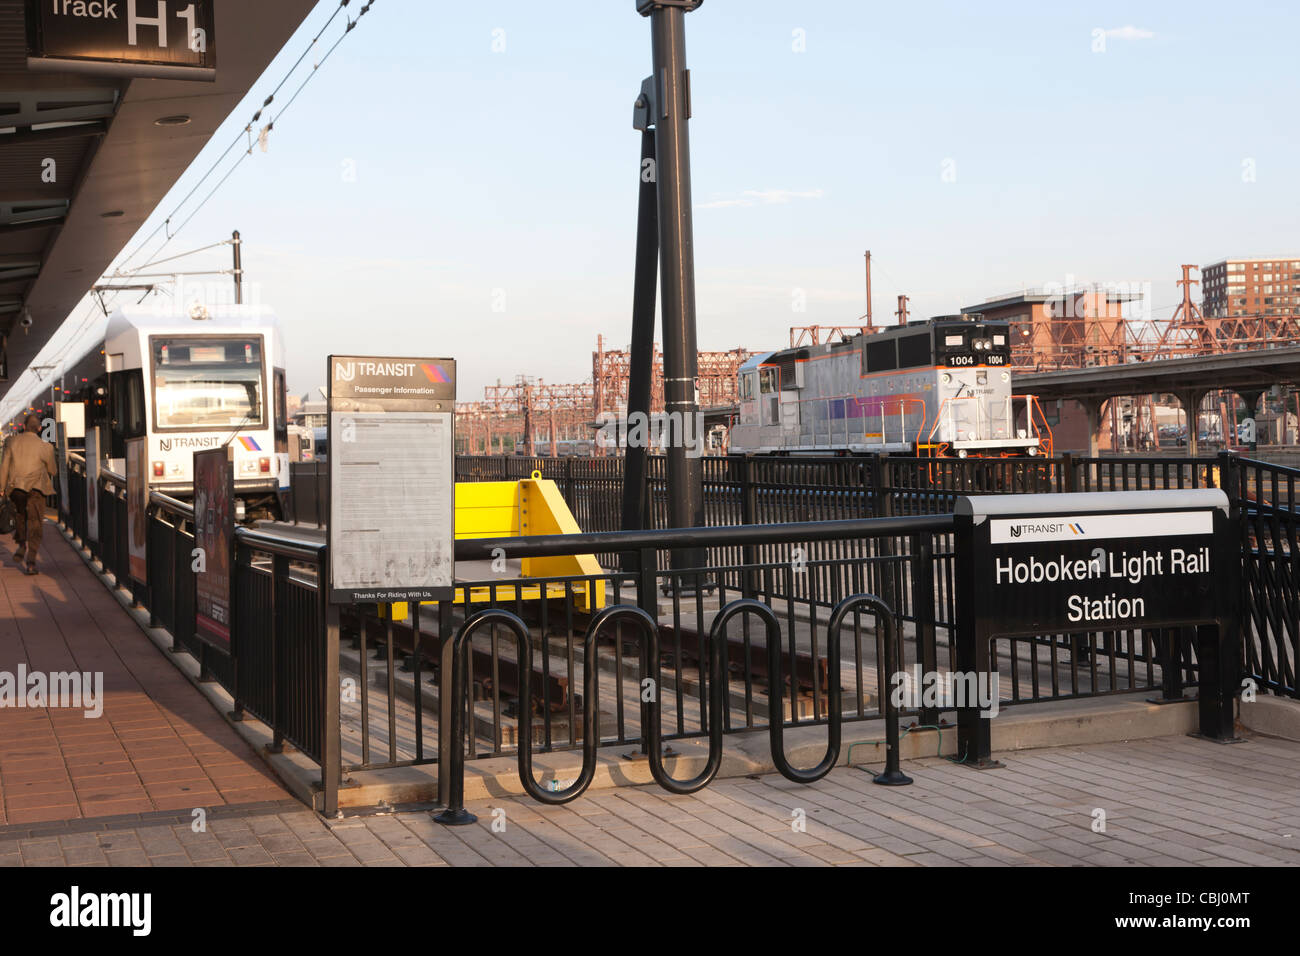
<point>1031,451</point>
<point>982,378</point>
<point>1006,376</point>
<point>945,378</point>
<point>961,453</point>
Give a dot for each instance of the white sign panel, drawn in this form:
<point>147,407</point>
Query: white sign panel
<point>1099,527</point>
<point>392,482</point>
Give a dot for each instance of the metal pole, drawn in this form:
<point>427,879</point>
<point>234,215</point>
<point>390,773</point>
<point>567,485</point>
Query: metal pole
<point>869,327</point>
<point>672,106</point>
<point>529,445</point>
<point>239,268</point>
<point>641,365</point>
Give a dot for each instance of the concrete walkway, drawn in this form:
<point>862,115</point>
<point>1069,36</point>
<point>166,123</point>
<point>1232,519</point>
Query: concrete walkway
<point>158,745</point>
<point>1167,801</point>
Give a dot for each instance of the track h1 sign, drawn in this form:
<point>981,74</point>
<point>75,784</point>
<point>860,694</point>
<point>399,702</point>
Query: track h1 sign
<point>170,39</point>
<point>392,486</point>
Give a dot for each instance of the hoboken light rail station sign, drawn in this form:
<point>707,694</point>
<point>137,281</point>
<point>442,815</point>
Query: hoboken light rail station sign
<point>1064,570</point>
<point>1050,566</point>
<point>169,39</point>
<point>392,487</point>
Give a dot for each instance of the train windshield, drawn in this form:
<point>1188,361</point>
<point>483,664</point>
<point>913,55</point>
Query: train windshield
<point>970,344</point>
<point>208,382</point>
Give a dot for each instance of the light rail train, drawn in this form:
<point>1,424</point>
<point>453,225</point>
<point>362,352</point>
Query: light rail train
<point>939,387</point>
<point>184,382</point>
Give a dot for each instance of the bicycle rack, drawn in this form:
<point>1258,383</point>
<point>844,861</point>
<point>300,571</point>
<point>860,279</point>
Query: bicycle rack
<point>452,757</point>
<point>776,690</point>
<point>716,716</point>
<point>455,813</point>
<point>893,776</point>
<point>591,708</point>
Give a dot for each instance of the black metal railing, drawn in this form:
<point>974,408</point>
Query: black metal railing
<point>308,496</point>
<point>798,537</point>
<point>834,668</point>
<point>1267,499</point>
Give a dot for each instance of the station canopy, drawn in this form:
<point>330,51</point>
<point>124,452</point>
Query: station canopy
<point>89,146</point>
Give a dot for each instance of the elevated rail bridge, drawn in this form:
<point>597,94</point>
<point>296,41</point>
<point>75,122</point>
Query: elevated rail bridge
<point>1249,372</point>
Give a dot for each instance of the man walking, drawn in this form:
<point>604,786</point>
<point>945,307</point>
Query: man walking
<point>25,477</point>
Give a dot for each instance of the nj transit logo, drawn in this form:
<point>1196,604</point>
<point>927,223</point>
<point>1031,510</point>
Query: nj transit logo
<point>435,374</point>
<point>1019,529</point>
<point>1100,526</point>
<point>345,372</point>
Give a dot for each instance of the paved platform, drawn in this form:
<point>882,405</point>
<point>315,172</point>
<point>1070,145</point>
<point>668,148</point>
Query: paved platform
<point>1168,801</point>
<point>158,745</point>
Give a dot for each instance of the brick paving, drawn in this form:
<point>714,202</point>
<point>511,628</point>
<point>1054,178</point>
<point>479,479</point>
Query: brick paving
<point>159,745</point>
<point>120,790</point>
<point>1169,801</point>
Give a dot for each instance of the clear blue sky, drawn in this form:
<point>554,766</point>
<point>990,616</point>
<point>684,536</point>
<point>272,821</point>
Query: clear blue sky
<point>478,171</point>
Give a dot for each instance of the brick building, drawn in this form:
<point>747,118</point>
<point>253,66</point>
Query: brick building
<point>1069,328</point>
<point>1251,287</point>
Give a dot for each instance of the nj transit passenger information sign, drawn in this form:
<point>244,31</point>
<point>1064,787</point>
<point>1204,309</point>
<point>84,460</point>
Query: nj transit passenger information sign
<point>392,488</point>
<point>1088,569</point>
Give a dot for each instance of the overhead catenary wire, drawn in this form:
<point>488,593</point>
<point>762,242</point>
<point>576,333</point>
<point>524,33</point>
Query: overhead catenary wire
<point>271,124</point>
<point>243,135</point>
<point>192,252</point>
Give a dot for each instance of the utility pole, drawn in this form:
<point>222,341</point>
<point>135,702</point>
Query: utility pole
<point>869,328</point>
<point>665,105</point>
<point>239,268</point>
<point>902,310</point>
<point>529,445</point>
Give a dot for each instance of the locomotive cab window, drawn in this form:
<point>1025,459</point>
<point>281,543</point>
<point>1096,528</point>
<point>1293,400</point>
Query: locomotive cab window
<point>768,380</point>
<point>208,382</point>
<point>914,350</point>
<point>880,356</point>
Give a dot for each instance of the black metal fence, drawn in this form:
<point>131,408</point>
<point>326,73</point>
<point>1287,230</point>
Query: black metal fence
<point>798,536</point>
<point>741,489</point>
<point>308,496</point>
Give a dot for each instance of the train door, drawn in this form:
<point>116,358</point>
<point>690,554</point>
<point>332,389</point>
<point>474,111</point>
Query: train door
<point>126,411</point>
<point>769,398</point>
<point>281,412</point>
<point>280,431</point>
